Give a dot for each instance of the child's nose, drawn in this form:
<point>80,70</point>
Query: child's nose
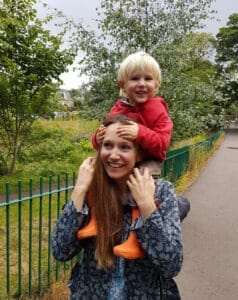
<point>142,81</point>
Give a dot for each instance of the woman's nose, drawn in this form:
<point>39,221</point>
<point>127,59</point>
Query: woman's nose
<point>114,154</point>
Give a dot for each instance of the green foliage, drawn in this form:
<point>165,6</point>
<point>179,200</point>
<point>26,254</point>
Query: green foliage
<point>82,150</point>
<point>91,110</point>
<point>54,147</point>
<point>3,165</point>
<point>148,24</point>
<point>85,146</point>
<point>62,145</point>
<point>233,109</point>
<point>190,85</point>
<point>30,58</point>
<point>57,140</point>
<point>227,41</point>
<point>227,61</point>
<point>48,149</point>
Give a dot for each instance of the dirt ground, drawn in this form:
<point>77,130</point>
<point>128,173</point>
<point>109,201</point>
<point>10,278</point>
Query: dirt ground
<point>210,232</point>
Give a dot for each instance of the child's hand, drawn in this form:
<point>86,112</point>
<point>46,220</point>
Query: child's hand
<point>129,131</point>
<point>100,134</point>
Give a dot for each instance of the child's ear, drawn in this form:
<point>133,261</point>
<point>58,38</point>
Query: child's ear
<point>121,84</point>
<point>157,84</point>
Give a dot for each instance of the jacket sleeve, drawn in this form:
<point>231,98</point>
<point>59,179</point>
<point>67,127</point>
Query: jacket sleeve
<point>160,234</point>
<point>64,242</point>
<point>155,137</point>
<point>94,142</point>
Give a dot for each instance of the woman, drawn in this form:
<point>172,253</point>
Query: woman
<point>110,181</point>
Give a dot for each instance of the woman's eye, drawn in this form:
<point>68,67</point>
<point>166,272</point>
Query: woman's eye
<point>126,147</point>
<point>107,145</point>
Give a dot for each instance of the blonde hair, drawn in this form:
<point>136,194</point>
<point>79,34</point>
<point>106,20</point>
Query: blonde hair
<point>139,61</point>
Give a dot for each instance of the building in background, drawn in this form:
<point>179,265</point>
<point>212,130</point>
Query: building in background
<point>66,99</point>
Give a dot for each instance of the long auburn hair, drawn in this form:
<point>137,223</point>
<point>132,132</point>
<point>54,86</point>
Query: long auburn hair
<point>108,207</point>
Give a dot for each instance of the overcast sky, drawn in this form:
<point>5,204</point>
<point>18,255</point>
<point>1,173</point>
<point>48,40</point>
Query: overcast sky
<point>85,11</point>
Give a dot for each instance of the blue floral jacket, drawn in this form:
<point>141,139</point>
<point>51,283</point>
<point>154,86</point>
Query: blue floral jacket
<point>148,278</point>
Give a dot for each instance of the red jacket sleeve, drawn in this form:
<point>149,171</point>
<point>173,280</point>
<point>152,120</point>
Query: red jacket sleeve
<point>93,140</point>
<point>155,132</point>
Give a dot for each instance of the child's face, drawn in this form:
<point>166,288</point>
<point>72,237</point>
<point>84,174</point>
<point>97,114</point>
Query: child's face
<point>140,87</point>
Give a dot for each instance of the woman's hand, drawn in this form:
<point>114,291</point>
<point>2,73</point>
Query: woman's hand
<point>142,189</point>
<point>84,179</point>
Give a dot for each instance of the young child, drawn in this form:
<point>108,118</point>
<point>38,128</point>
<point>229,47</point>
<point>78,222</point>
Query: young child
<point>139,78</point>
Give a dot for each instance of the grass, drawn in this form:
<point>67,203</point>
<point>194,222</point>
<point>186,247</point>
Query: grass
<point>54,147</point>
<point>187,142</point>
<point>58,291</point>
<point>31,223</point>
<point>198,160</point>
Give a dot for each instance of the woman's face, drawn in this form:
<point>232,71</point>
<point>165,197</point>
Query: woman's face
<point>118,155</point>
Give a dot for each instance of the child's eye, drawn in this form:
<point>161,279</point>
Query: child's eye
<point>135,78</point>
<point>148,78</point>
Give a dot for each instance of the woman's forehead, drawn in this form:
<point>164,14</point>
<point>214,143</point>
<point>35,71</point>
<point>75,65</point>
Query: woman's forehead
<point>111,130</point>
<point>112,127</point>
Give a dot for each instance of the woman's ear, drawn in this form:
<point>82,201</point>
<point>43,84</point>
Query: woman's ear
<point>139,157</point>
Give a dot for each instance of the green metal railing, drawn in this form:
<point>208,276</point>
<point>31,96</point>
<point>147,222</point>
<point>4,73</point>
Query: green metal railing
<point>177,160</point>
<point>27,267</point>
<point>26,222</point>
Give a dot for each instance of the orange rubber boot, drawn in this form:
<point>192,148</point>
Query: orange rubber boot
<point>131,248</point>
<point>91,228</point>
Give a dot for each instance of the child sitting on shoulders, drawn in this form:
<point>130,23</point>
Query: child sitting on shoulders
<point>139,78</point>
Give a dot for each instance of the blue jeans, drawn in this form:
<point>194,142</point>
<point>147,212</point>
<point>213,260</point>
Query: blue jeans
<point>117,291</point>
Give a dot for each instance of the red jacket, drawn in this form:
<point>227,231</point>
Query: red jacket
<point>155,125</point>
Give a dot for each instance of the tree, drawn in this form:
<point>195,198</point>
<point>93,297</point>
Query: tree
<point>147,24</point>
<point>189,84</point>
<point>129,25</point>
<point>163,29</point>
<point>30,59</point>
<point>227,60</point>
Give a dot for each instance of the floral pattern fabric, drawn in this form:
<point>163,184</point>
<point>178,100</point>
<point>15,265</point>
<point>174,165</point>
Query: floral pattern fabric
<point>148,278</point>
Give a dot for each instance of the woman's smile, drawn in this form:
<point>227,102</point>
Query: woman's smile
<point>118,155</point>
<point>115,165</point>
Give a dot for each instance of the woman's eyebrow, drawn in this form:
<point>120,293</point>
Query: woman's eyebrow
<point>107,140</point>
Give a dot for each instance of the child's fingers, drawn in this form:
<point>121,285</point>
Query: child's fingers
<point>144,172</point>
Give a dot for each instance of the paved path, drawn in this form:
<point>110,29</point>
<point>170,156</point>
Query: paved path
<point>210,232</point>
